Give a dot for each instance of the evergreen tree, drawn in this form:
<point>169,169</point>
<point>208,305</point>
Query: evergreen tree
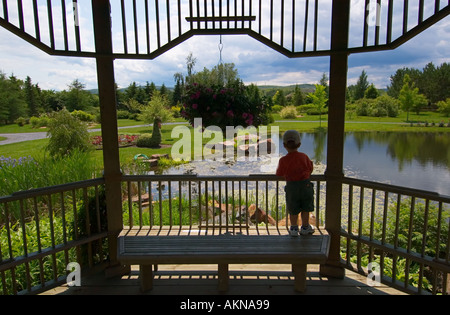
<point>279,98</point>
<point>297,98</point>
<point>31,97</point>
<point>361,86</point>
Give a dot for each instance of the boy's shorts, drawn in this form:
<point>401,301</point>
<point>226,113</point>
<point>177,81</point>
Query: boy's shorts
<point>299,196</point>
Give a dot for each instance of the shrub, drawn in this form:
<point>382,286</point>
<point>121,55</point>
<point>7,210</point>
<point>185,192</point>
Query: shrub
<point>305,108</point>
<point>67,133</point>
<point>444,107</point>
<point>146,140</point>
<point>21,121</point>
<point>389,105</point>
<point>123,114</point>
<point>289,112</point>
<point>83,116</point>
<point>176,111</point>
<point>38,122</point>
<point>276,108</point>
<point>380,107</point>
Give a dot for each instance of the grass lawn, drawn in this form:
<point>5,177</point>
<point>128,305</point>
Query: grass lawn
<point>36,148</point>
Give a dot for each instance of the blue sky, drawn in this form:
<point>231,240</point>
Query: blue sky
<point>255,62</point>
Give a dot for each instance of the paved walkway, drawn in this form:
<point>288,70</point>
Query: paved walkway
<point>21,137</point>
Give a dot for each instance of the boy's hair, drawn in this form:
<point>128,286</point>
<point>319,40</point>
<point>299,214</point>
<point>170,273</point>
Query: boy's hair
<point>292,145</point>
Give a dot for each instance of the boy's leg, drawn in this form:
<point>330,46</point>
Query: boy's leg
<point>306,229</point>
<point>305,218</point>
<point>294,219</point>
<point>294,230</point>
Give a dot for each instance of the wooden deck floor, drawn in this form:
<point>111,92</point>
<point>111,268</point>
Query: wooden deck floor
<point>264,280</point>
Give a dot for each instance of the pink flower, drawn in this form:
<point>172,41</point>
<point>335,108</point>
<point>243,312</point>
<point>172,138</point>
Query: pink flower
<point>230,114</point>
<point>196,95</point>
<point>249,122</point>
<point>194,106</point>
<point>244,115</point>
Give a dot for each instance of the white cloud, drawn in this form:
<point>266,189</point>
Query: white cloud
<point>255,62</point>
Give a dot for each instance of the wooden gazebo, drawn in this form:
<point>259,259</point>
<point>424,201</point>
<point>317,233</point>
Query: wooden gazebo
<point>151,28</point>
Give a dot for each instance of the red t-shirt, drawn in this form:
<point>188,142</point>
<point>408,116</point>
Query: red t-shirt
<point>295,166</point>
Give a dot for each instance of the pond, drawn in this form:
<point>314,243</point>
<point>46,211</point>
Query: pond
<point>414,160</point>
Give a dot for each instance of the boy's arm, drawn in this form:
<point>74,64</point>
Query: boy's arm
<point>279,171</point>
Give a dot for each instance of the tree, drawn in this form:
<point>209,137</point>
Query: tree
<point>324,82</point>
<point>156,112</point>
<point>67,134</point>
<point>31,97</point>
<point>409,97</point>
<point>371,92</point>
<point>397,80</point>
<point>361,86</point>
<point>12,99</point>
<point>444,107</point>
<point>297,98</point>
<point>77,98</point>
<point>279,98</point>
<point>319,99</point>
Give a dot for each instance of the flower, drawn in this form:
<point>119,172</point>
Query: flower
<point>230,114</point>
<point>194,106</point>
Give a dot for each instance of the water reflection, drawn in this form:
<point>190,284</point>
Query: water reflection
<point>415,160</point>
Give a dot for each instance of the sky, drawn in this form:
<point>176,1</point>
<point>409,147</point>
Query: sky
<point>255,62</point>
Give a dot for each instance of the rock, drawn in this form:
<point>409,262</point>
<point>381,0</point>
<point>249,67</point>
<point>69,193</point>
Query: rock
<point>255,215</point>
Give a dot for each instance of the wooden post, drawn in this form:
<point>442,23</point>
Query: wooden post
<point>336,126</point>
<point>223,277</point>
<point>107,96</point>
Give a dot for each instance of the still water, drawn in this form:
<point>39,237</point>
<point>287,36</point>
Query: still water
<point>414,160</point>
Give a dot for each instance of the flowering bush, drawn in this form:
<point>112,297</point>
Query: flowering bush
<point>124,140</point>
<point>231,105</point>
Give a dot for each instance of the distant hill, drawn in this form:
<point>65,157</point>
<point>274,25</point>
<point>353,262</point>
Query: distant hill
<point>306,88</point>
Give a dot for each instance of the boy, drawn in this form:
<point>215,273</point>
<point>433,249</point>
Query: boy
<point>296,168</point>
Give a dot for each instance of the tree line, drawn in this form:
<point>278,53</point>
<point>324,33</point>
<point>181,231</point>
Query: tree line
<point>410,89</point>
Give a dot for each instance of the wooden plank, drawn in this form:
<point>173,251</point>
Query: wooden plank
<point>222,249</point>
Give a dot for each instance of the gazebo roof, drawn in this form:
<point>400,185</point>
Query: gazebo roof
<point>146,29</point>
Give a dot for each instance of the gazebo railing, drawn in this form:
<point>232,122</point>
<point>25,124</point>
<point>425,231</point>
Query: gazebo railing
<point>212,202</point>
<point>393,235</point>
<point>397,236</point>
<point>45,232</point>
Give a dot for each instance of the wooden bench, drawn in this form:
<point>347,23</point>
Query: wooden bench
<point>138,247</point>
